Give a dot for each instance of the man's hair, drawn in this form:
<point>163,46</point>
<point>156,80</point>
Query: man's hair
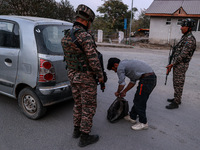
<point>111,62</point>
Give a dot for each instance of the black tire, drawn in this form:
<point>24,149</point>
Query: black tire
<point>30,104</point>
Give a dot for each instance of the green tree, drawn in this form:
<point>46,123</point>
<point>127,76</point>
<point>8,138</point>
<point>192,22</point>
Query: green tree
<point>143,21</point>
<point>40,8</point>
<point>29,8</point>
<point>114,13</point>
<point>99,23</point>
<point>65,11</point>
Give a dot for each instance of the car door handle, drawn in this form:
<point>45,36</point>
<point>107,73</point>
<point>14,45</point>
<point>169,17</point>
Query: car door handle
<point>8,60</point>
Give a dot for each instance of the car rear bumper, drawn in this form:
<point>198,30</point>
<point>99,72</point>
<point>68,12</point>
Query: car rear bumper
<point>50,95</point>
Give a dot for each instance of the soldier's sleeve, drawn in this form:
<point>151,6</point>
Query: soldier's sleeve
<point>89,48</point>
<point>186,51</point>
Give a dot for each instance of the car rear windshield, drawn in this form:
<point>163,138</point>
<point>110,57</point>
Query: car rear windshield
<point>48,38</point>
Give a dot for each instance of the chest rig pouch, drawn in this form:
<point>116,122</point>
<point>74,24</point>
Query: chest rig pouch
<point>182,43</point>
<point>74,54</point>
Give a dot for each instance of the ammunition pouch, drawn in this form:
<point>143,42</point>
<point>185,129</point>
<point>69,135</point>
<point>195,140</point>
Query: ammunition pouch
<point>77,62</point>
<point>75,58</point>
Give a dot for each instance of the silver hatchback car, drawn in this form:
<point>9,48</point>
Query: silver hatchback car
<point>31,62</point>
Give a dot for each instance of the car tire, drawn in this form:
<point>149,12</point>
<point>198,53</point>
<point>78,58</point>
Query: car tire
<point>30,104</point>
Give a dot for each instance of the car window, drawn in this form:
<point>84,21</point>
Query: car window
<point>9,35</point>
<point>48,38</point>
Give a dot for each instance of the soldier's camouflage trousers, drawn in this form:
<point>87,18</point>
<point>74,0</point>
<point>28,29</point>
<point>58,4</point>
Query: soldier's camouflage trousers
<point>85,104</point>
<point>179,72</point>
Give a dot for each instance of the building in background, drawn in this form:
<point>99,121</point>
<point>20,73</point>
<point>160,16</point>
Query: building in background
<point>165,20</point>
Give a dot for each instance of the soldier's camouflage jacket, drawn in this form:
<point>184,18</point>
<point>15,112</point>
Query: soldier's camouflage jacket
<point>88,50</point>
<point>184,49</point>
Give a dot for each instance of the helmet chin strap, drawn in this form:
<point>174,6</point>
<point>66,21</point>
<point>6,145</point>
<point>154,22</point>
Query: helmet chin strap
<point>87,25</point>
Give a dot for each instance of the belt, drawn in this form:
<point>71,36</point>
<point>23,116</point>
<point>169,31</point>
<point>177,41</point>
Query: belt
<point>146,75</point>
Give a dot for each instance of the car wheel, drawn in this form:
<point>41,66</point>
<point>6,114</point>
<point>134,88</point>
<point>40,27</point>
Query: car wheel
<point>30,104</point>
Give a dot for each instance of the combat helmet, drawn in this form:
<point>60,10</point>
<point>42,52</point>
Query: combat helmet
<point>85,12</point>
<point>188,23</point>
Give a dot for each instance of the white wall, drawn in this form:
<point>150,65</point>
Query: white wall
<point>160,33</point>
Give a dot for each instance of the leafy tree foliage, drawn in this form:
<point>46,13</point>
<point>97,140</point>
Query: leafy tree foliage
<point>39,8</point>
<point>114,13</point>
<point>143,21</point>
<point>65,11</point>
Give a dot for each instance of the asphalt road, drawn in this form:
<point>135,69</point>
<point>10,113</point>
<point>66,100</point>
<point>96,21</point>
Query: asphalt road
<point>168,129</point>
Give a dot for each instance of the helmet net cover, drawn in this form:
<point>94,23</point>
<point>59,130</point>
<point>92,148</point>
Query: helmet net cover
<point>188,23</point>
<point>85,12</point>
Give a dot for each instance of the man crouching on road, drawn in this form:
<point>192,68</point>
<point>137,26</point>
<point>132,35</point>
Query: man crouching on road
<point>134,70</point>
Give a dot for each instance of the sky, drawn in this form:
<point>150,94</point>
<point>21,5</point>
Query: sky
<point>94,4</point>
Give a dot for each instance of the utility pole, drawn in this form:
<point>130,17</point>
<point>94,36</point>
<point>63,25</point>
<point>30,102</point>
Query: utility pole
<point>131,21</point>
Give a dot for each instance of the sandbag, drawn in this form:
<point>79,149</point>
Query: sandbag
<point>117,110</point>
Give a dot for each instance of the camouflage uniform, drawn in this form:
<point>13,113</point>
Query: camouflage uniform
<point>181,59</point>
<point>84,87</point>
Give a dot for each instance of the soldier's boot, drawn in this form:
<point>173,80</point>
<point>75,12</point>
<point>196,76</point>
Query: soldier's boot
<point>172,100</point>
<point>87,139</point>
<point>76,133</point>
<point>173,105</point>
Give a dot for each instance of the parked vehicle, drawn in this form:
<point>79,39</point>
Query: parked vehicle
<point>140,33</point>
<point>31,62</point>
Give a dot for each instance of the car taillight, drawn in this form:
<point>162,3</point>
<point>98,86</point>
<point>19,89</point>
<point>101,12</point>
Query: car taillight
<point>47,72</point>
<point>47,65</point>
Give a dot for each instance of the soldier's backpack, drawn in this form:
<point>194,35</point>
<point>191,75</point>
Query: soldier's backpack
<point>117,110</point>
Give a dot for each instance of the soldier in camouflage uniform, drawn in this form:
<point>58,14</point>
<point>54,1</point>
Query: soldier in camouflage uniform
<point>83,64</point>
<point>180,62</point>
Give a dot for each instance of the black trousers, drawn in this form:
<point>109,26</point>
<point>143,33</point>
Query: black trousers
<point>144,89</point>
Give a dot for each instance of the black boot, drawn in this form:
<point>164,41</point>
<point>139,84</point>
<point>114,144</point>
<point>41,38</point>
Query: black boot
<point>77,132</point>
<point>172,100</point>
<point>173,105</point>
<point>87,139</point>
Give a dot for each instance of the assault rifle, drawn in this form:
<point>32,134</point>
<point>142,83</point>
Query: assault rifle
<point>171,54</point>
<point>100,56</point>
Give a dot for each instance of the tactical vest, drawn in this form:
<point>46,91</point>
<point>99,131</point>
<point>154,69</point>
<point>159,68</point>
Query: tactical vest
<point>190,54</point>
<point>73,53</point>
